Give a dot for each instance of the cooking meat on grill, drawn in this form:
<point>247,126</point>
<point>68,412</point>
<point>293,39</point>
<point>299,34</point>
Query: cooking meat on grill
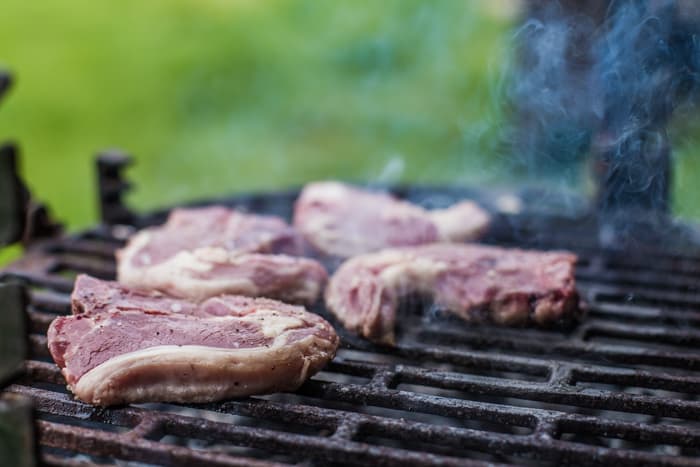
<point>127,346</point>
<point>206,272</point>
<point>201,253</point>
<point>92,295</point>
<point>475,282</point>
<point>217,226</point>
<point>341,220</point>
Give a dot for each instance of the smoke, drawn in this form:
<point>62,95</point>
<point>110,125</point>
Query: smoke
<point>599,81</point>
<point>392,171</point>
<point>553,103</point>
<point>644,68</point>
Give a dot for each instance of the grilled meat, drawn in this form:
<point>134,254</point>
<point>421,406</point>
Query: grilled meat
<point>201,253</point>
<point>343,221</point>
<point>126,346</point>
<point>474,282</point>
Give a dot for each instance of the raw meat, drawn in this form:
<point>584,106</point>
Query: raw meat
<point>126,346</point>
<point>341,220</point>
<point>477,283</point>
<point>201,253</point>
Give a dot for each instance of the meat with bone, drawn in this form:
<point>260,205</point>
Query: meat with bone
<point>475,282</point>
<point>123,347</point>
<point>343,221</point>
<point>201,253</point>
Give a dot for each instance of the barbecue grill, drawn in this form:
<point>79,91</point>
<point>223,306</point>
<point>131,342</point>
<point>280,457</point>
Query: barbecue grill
<point>622,386</point>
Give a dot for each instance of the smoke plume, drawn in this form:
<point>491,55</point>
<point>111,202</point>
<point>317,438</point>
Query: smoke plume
<point>597,82</point>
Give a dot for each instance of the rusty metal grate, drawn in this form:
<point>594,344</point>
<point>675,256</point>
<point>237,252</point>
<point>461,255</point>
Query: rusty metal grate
<point>622,387</point>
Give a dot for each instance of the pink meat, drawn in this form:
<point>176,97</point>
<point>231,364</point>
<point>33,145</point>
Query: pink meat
<point>216,227</point>
<point>475,282</point>
<point>343,221</point>
<point>201,253</point>
<point>92,295</point>
<point>127,345</point>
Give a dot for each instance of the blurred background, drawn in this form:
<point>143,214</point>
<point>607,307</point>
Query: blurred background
<point>221,96</point>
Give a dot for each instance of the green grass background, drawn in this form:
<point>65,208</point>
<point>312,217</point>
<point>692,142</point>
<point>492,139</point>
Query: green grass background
<point>219,96</point>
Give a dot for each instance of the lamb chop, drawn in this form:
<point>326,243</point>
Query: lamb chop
<point>126,346</point>
<point>201,253</point>
<point>343,221</point>
<point>474,282</point>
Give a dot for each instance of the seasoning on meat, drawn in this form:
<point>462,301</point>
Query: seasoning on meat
<point>475,282</point>
<point>200,253</point>
<point>343,221</point>
<point>114,351</point>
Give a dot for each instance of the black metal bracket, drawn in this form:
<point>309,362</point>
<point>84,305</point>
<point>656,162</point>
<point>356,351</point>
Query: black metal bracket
<point>22,218</point>
<point>14,196</point>
<point>17,445</point>
<point>113,186</point>
<point>5,82</point>
<point>13,334</point>
<point>17,441</point>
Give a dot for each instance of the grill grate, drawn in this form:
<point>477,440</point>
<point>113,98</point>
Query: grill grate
<point>622,387</point>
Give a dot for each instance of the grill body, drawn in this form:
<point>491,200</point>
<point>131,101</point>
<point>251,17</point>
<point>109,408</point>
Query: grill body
<point>622,387</point>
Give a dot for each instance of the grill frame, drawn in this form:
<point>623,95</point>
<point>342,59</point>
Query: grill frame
<point>454,410</point>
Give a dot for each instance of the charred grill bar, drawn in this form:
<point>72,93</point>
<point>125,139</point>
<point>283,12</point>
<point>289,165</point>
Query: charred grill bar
<point>623,387</point>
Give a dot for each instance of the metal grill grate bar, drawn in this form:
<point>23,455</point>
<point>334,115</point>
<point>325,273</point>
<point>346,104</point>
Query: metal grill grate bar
<point>535,445</point>
<point>622,387</point>
<point>131,448</point>
<point>571,349</point>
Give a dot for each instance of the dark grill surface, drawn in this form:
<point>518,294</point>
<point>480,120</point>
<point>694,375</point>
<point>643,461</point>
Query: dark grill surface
<point>622,387</point>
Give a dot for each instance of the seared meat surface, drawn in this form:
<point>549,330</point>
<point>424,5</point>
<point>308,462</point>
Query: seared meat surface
<point>201,253</point>
<point>475,282</point>
<point>341,220</point>
<point>126,346</point>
